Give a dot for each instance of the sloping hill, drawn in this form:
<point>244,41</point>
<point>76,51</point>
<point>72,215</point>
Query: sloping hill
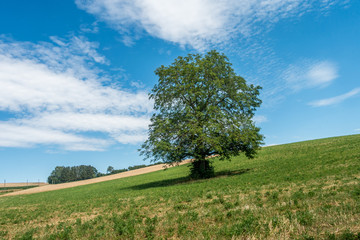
<point>306,190</point>
<point>53,187</point>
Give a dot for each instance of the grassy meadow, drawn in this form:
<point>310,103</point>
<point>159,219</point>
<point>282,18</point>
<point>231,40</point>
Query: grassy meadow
<point>305,190</point>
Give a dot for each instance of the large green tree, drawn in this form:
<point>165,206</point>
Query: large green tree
<point>202,108</point>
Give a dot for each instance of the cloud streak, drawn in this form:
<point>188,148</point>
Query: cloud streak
<point>15,135</point>
<point>335,100</point>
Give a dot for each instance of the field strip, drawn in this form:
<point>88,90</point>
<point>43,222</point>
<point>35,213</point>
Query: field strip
<point>22,184</point>
<point>53,187</point>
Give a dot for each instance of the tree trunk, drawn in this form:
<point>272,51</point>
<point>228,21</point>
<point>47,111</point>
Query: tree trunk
<point>201,168</point>
<point>203,165</point>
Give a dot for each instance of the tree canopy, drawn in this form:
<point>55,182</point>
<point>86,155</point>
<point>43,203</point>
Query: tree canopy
<point>202,108</point>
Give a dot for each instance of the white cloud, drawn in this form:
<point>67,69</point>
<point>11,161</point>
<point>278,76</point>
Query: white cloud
<point>57,91</point>
<point>14,135</point>
<point>310,74</point>
<point>130,137</point>
<point>322,74</point>
<point>90,28</point>
<point>60,55</point>
<point>260,119</point>
<point>33,86</point>
<point>88,122</point>
<point>197,23</point>
<point>335,100</point>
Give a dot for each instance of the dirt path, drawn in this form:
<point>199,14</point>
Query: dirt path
<point>52,187</point>
<point>22,184</point>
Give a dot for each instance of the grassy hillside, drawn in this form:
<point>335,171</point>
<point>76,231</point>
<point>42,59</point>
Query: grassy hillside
<point>302,190</point>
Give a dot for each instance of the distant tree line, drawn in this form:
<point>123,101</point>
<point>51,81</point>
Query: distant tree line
<point>111,170</point>
<point>63,174</point>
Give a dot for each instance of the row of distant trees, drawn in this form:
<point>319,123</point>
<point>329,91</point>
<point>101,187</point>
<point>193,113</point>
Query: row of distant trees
<point>63,174</point>
<point>111,170</point>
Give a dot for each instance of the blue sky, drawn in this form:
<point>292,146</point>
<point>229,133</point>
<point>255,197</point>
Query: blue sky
<point>74,75</point>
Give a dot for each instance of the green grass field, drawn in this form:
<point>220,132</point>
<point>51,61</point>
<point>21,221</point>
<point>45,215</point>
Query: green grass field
<point>306,190</point>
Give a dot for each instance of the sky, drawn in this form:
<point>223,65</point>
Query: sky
<point>75,74</point>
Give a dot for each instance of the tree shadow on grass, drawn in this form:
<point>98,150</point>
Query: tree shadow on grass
<point>187,179</point>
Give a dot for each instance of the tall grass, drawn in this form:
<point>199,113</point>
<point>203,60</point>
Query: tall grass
<point>306,190</point>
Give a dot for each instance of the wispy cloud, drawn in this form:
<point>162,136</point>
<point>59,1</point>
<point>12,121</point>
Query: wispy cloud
<point>282,80</point>
<point>322,74</point>
<point>258,119</point>
<point>89,28</point>
<point>335,100</point>
<point>195,23</point>
<point>58,94</point>
<point>309,74</point>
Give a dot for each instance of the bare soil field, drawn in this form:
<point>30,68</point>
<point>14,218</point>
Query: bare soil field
<point>51,187</point>
<point>22,184</point>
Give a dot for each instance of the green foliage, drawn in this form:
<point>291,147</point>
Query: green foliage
<point>70,174</point>
<point>110,169</point>
<point>115,171</point>
<point>203,108</point>
<point>136,167</point>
